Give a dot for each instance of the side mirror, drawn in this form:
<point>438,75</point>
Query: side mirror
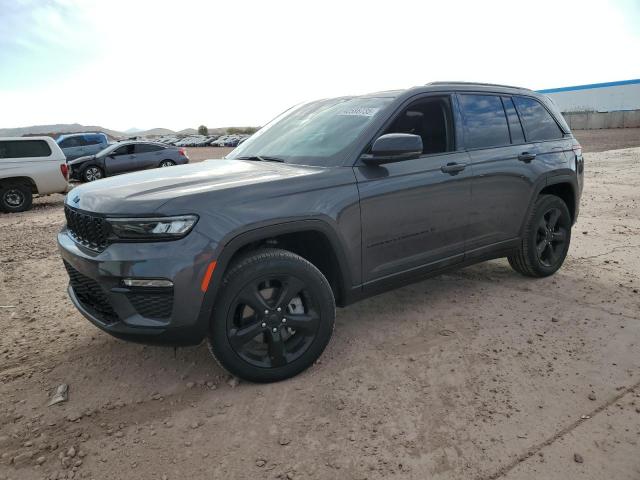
<point>394,147</point>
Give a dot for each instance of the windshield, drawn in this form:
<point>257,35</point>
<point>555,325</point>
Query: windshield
<point>315,133</point>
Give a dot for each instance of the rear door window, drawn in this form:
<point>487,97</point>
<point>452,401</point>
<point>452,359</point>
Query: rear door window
<point>146,148</point>
<point>93,139</point>
<point>72,142</point>
<point>515,128</point>
<point>24,148</point>
<point>485,123</point>
<point>538,123</point>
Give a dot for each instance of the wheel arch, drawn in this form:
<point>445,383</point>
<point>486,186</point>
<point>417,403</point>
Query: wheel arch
<point>314,240</point>
<point>329,258</point>
<point>565,191</point>
<point>564,186</point>
<point>21,180</point>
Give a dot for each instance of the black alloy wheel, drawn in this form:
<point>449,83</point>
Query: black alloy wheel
<point>545,240</point>
<point>273,321</point>
<point>273,317</point>
<point>551,237</point>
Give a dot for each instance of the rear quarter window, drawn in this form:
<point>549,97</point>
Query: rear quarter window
<point>538,123</point>
<point>77,141</point>
<point>485,124</point>
<point>146,148</point>
<point>24,149</point>
<point>93,139</point>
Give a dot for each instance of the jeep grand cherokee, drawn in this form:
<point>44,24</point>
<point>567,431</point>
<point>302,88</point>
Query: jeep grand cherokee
<point>329,203</point>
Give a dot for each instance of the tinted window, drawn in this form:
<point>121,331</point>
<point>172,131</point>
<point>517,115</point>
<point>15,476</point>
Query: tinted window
<point>515,128</point>
<point>485,124</point>
<point>24,148</point>
<point>72,142</point>
<point>431,119</point>
<point>93,139</point>
<point>145,148</point>
<point>123,150</point>
<point>538,123</point>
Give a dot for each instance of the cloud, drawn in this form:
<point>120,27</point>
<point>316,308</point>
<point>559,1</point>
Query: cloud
<point>177,64</point>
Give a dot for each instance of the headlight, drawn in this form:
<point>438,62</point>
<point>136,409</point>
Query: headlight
<point>152,228</point>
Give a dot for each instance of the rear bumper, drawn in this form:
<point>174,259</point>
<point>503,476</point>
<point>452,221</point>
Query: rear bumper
<point>170,316</point>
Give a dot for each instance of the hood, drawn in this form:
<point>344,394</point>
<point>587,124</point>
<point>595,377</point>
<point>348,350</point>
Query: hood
<point>80,160</point>
<point>145,192</point>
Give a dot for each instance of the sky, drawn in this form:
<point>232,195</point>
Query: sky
<point>135,63</point>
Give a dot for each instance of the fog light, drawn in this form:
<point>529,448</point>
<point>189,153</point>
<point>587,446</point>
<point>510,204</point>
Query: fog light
<point>147,282</point>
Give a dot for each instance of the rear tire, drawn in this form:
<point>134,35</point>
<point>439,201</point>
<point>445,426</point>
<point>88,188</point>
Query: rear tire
<point>15,197</point>
<point>166,163</point>
<point>273,317</point>
<point>546,239</point>
<point>92,173</point>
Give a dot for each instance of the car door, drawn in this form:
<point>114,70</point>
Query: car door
<point>148,155</point>
<point>73,147</point>
<point>94,143</point>
<point>502,183</point>
<point>414,213</point>
<point>507,165</point>
<point>121,160</point>
<point>551,150</point>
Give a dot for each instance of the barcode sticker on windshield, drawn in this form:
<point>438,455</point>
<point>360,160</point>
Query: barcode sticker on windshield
<point>360,111</point>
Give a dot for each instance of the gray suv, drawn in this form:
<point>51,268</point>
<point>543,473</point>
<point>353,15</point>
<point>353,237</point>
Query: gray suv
<point>331,202</point>
<point>126,157</point>
<point>76,145</point>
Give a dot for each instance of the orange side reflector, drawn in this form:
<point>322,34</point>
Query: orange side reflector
<point>204,286</point>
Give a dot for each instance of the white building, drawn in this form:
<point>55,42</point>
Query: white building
<point>597,97</point>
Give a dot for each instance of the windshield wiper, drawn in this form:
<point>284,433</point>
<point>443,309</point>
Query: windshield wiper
<point>262,158</point>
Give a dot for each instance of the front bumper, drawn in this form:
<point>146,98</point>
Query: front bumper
<point>171,316</point>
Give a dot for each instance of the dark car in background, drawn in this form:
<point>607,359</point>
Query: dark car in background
<point>123,157</point>
<point>76,145</point>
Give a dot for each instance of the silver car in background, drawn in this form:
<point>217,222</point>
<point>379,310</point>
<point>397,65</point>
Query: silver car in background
<point>124,157</point>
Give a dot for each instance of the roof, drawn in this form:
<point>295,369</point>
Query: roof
<point>474,84</point>
<point>454,85</point>
<point>591,86</point>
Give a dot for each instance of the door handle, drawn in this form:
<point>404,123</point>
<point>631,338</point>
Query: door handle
<point>526,157</point>
<point>453,168</point>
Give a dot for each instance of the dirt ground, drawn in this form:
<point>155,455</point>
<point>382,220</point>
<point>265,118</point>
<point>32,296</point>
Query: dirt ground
<point>479,374</point>
<point>197,154</point>
<point>608,139</point>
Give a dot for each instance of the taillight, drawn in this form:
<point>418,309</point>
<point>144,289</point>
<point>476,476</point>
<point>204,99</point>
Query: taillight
<point>64,169</point>
<point>183,152</point>
<point>577,150</point>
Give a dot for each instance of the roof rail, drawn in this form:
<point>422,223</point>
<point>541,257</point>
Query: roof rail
<point>476,83</point>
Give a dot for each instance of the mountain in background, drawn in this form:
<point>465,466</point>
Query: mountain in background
<point>62,128</point>
<point>56,130</point>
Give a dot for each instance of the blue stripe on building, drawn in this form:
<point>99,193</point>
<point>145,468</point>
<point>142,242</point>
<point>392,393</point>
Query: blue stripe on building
<point>590,86</point>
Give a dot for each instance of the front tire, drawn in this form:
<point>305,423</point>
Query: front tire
<point>273,317</point>
<point>15,197</point>
<point>546,239</point>
<point>92,173</point>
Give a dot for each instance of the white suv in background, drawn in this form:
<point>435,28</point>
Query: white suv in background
<point>28,166</point>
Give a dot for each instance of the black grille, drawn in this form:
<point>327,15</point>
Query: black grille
<point>88,230</point>
<point>89,293</point>
<point>152,305</point>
